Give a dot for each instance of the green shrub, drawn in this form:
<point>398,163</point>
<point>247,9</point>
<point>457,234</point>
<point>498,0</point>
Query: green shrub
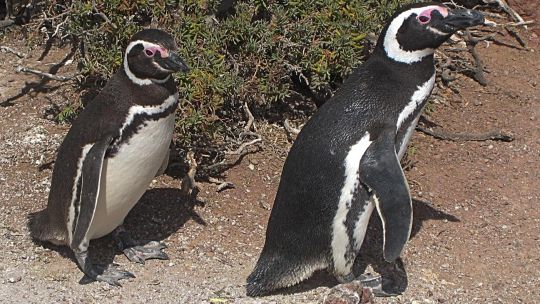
<point>265,53</point>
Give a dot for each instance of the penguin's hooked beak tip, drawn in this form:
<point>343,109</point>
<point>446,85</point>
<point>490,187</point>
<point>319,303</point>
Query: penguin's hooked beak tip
<point>460,19</point>
<point>176,63</point>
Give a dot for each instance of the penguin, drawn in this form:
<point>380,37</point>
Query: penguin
<point>345,162</point>
<point>110,155</point>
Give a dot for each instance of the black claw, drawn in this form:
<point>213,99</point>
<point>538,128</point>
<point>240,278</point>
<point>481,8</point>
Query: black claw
<point>381,293</point>
<point>110,274</point>
<point>139,252</point>
<point>371,281</point>
<point>376,285</point>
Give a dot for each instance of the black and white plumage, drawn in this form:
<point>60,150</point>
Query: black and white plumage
<point>345,161</point>
<point>112,152</point>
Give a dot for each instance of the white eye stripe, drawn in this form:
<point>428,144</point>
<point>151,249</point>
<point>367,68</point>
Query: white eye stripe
<point>130,74</point>
<point>391,45</point>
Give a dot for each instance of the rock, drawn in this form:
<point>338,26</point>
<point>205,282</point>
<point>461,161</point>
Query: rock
<point>349,293</point>
<point>14,278</point>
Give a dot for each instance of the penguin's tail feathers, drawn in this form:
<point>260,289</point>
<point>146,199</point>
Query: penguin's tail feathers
<point>272,273</point>
<point>41,229</point>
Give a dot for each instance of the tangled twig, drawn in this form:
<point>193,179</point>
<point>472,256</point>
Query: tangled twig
<point>208,172</point>
<point>239,153</point>
<point>478,70</point>
<point>506,8</point>
<point>290,129</point>
<point>242,150</point>
<point>244,146</point>
<point>102,15</point>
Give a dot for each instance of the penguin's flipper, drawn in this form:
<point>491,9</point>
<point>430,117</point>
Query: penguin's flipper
<point>381,171</point>
<point>90,182</point>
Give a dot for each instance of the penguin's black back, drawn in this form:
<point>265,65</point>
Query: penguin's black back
<point>103,116</point>
<point>300,227</point>
<point>370,99</point>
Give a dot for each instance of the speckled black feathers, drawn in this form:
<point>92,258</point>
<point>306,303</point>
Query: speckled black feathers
<point>102,117</point>
<point>382,98</point>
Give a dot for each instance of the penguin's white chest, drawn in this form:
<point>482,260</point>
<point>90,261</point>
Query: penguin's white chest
<point>126,176</point>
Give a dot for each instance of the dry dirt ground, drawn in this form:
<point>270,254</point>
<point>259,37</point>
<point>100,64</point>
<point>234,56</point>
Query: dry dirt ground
<point>476,235</point>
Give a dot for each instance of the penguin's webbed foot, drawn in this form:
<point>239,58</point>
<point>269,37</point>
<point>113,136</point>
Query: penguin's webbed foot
<point>110,274</point>
<point>372,281</point>
<point>150,250</point>
<point>376,283</point>
<point>139,251</point>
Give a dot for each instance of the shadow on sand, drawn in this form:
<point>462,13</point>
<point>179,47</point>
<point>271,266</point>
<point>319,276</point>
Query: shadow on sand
<point>159,213</point>
<point>162,212</point>
<point>42,86</point>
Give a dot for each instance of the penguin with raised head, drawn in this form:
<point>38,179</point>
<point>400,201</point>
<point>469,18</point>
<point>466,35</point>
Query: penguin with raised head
<point>110,155</point>
<point>345,161</point>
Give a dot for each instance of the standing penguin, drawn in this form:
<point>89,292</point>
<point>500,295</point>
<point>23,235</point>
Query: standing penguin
<point>110,155</point>
<point>345,161</point>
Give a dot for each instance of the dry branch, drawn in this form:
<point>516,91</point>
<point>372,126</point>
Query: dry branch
<point>516,35</point>
<point>478,70</point>
<point>6,23</point>
<point>251,119</point>
<point>102,15</point>
<point>13,51</point>
<point>522,23</point>
<point>239,153</point>
<point>507,9</point>
<point>188,182</point>
<point>290,129</point>
<point>44,74</point>
<point>222,185</point>
<point>243,146</point>
<point>492,135</point>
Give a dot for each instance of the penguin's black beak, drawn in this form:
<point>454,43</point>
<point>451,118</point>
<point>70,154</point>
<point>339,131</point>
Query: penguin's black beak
<point>174,63</point>
<point>459,19</point>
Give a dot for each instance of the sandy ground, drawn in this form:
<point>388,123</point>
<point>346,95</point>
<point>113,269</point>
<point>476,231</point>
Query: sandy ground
<point>476,234</point>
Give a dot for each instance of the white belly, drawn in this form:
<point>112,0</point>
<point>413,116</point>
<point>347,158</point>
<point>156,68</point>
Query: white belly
<point>126,176</point>
<point>407,137</point>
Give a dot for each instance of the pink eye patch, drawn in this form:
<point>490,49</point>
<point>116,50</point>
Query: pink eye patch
<point>425,16</point>
<point>151,51</point>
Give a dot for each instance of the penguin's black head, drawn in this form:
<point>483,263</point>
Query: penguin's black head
<point>151,57</point>
<point>417,30</point>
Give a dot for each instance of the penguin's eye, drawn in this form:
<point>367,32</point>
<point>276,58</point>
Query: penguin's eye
<point>149,53</point>
<point>424,19</point>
